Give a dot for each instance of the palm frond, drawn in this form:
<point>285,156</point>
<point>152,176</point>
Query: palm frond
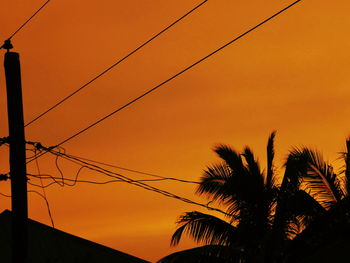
<point>304,207</point>
<point>321,178</point>
<point>296,166</point>
<point>253,170</point>
<point>346,157</point>
<point>220,184</point>
<point>270,180</point>
<point>204,228</point>
<point>231,157</point>
<point>215,181</point>
<point>234,208</point>
<point>294,227</point>
<point>302,203</point>
<point>205,254</point>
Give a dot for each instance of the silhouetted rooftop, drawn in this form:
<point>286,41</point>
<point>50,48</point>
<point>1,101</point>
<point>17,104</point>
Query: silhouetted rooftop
<point>47,244</point>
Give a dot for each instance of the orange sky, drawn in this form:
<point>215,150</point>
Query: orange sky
<point>289,75</point>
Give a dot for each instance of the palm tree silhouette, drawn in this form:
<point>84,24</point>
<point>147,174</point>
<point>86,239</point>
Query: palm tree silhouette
<point>262,216</point>
<point>332,192</point>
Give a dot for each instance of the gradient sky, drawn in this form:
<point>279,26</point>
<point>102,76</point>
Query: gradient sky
<point>291,75</point>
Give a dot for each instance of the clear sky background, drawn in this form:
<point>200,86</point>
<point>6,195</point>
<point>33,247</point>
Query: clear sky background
<point>291,75</point>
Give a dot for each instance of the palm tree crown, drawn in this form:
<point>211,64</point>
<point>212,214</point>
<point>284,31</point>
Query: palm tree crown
<point>261,214</point>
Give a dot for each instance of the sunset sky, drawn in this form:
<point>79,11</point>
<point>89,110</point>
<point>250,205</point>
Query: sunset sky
<point>290,75</point>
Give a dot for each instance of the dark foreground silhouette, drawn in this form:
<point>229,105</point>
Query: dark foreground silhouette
<point>266,219</point>
<point>49,245</point>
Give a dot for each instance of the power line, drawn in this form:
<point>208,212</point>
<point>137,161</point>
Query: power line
<point>42,196</point>
<point>169,79</point>
<point>44,192</point>
<point>47,204</point>
<point>115,64</point>
<point>134,171</point>
<point>29,191</point>
<point>28,20</point>
<point>5,195</point>
<point>4,177</point>
<point>174,76</point>
<point>128,180</point>
<point>38,146</point>
<point>75,181</point>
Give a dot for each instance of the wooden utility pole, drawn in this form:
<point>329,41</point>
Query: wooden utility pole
<point>18,173</point>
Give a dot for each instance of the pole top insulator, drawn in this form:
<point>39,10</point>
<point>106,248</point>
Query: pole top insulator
<point>7,45</point>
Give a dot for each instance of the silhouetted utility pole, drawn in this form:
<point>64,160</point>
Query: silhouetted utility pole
<point>18,174</point>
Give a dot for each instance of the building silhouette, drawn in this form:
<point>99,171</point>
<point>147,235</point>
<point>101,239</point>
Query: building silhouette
<point>50,245</point>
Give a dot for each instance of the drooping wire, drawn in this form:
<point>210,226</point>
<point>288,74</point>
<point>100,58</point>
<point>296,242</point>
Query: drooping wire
<point>37,185</point>
<point>34,153</point>
<point>58,167</point>
<point>115,64</point>
<point>173,77</point>
<point>75,181</point>
<point>28,20</point>
<point>41,148</point>
<point>4,177</point>
<point>5,195</point>
<point>44,192</point>
<point>134,171</point>
<point>128,180</point>
<point>47,204</point>
<point>29,191</point>
<point>38,148</point>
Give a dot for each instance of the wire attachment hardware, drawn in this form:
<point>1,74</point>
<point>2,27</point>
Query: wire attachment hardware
<point>7,45</point>
<point>4,140</point>
<point>38,146</point>
<point>4,177</point>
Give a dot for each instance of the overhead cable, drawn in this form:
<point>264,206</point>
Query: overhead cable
<point>134,171</point>
<point>44,193</point>
<point>134,182</point>
<point>169,79</point>
<point>28,20</point>
<point>174,76</point>
<point>115,64</point>
<point>38,147</point>
<point>75,181</point>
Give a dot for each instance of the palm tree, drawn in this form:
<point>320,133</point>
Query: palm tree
<point>261,215</point>
<point>332,191</point>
